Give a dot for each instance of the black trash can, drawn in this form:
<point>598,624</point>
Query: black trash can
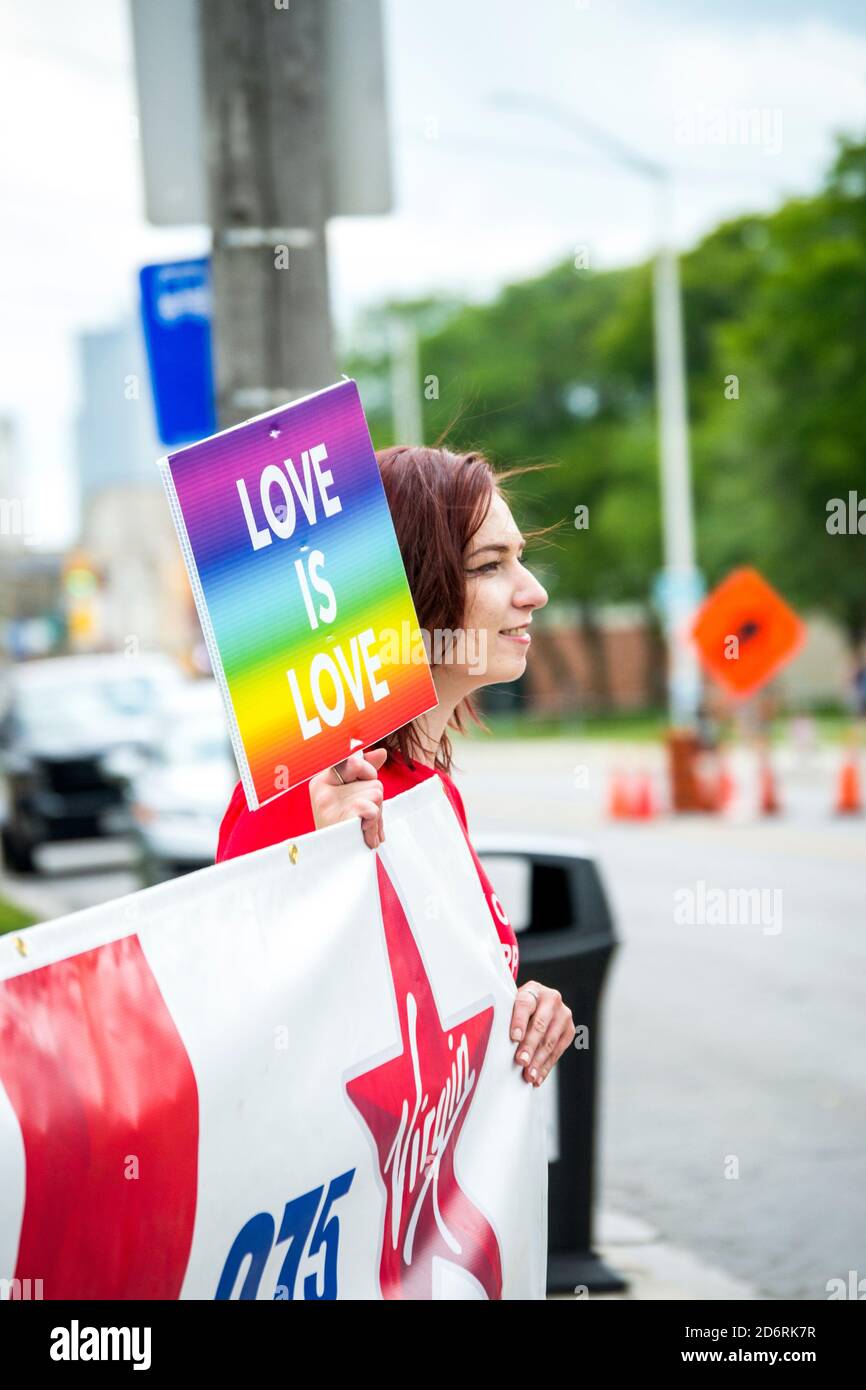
<point>567,942</point>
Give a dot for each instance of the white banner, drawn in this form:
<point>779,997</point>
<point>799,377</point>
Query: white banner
<point>286,1076</point>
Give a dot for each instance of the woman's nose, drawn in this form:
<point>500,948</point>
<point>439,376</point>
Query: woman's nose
<point>535,595</point>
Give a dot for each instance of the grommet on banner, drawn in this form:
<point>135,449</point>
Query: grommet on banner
<point>21,946</point>
<point>293,853</point>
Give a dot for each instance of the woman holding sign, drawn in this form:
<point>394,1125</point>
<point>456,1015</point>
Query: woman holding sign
<point>463,556</point>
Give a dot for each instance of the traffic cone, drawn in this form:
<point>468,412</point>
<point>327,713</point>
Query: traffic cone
<point>848,799</point>
<point>643,807</point>
<point>725,789</point>
<point>619,802</point>
<point>768,802</point>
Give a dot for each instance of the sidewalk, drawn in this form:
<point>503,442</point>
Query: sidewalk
<point>43,903</point>
<point>654,1269</point>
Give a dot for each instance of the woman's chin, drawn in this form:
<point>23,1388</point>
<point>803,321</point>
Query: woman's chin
<point>507,670</point>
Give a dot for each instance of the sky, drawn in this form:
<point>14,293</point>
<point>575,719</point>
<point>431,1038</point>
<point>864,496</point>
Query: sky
<point>488,187</point>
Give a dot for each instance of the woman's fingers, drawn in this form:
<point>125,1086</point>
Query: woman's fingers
<point>356,791</point>
<point>360,770</point>
<point>547,1031</point>
<point>347,790</point>
<point>369,809</point>
<point>360,766</point>
<point>524,1005</point>
<point>533,1041</point>
<point>368,806</point>
<point>370,831</point>
<point>369,768</point>
<point>548,1051</point>
<point>561,1044</point>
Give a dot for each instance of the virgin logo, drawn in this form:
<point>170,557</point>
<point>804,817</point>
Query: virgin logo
<point>427,1141</point>
<point>414,1105</point>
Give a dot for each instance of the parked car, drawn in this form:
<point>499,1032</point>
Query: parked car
<point>179,796</point>
<point>61,722</point>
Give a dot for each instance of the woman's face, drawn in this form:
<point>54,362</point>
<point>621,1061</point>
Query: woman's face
<point>501,594</point>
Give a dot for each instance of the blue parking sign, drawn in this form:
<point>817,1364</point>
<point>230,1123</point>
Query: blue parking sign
<point>176,318</point>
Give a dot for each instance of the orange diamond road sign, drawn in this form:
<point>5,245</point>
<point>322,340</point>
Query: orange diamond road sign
<point>745,632</point>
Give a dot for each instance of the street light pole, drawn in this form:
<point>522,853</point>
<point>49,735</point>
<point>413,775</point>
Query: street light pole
<point>405,377</point>
<point>680,579</point>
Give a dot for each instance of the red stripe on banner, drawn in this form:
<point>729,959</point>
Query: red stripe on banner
<point>107,1101</point>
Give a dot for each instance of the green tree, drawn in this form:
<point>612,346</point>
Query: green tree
<point>796,437</point>
<point>559,369</point>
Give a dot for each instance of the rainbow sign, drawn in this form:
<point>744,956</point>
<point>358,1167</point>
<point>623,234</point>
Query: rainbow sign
<point>300,588</point>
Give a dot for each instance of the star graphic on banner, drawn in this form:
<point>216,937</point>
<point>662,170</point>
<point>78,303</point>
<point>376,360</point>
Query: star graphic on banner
<point>415,1106</point>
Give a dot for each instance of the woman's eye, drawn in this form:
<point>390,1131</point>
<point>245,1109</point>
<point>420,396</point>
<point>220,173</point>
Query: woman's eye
<point>494,565</point>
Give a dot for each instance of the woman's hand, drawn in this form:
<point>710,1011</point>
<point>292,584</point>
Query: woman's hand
<point>543,1028</point>
<point>362,795</point>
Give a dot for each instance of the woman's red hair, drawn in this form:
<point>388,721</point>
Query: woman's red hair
<point>438,501</point>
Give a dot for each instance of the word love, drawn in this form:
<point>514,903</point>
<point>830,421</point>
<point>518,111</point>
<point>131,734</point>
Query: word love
<point>282,518</point>
<point>330,676</point>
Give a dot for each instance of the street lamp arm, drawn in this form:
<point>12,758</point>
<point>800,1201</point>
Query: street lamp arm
<point>585,129</point>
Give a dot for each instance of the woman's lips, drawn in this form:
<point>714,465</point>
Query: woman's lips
<point>522,637</point>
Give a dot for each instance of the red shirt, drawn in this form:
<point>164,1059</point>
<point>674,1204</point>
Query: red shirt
<point>291,814</point>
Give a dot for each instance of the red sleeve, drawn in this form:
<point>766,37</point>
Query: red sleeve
<point>243,831</point>
<point>237,804</point>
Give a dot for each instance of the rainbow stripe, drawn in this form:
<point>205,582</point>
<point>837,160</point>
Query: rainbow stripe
<point>251,604</point>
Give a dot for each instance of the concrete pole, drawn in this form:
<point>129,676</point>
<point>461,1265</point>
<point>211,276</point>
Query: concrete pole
<point>263,68</point>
